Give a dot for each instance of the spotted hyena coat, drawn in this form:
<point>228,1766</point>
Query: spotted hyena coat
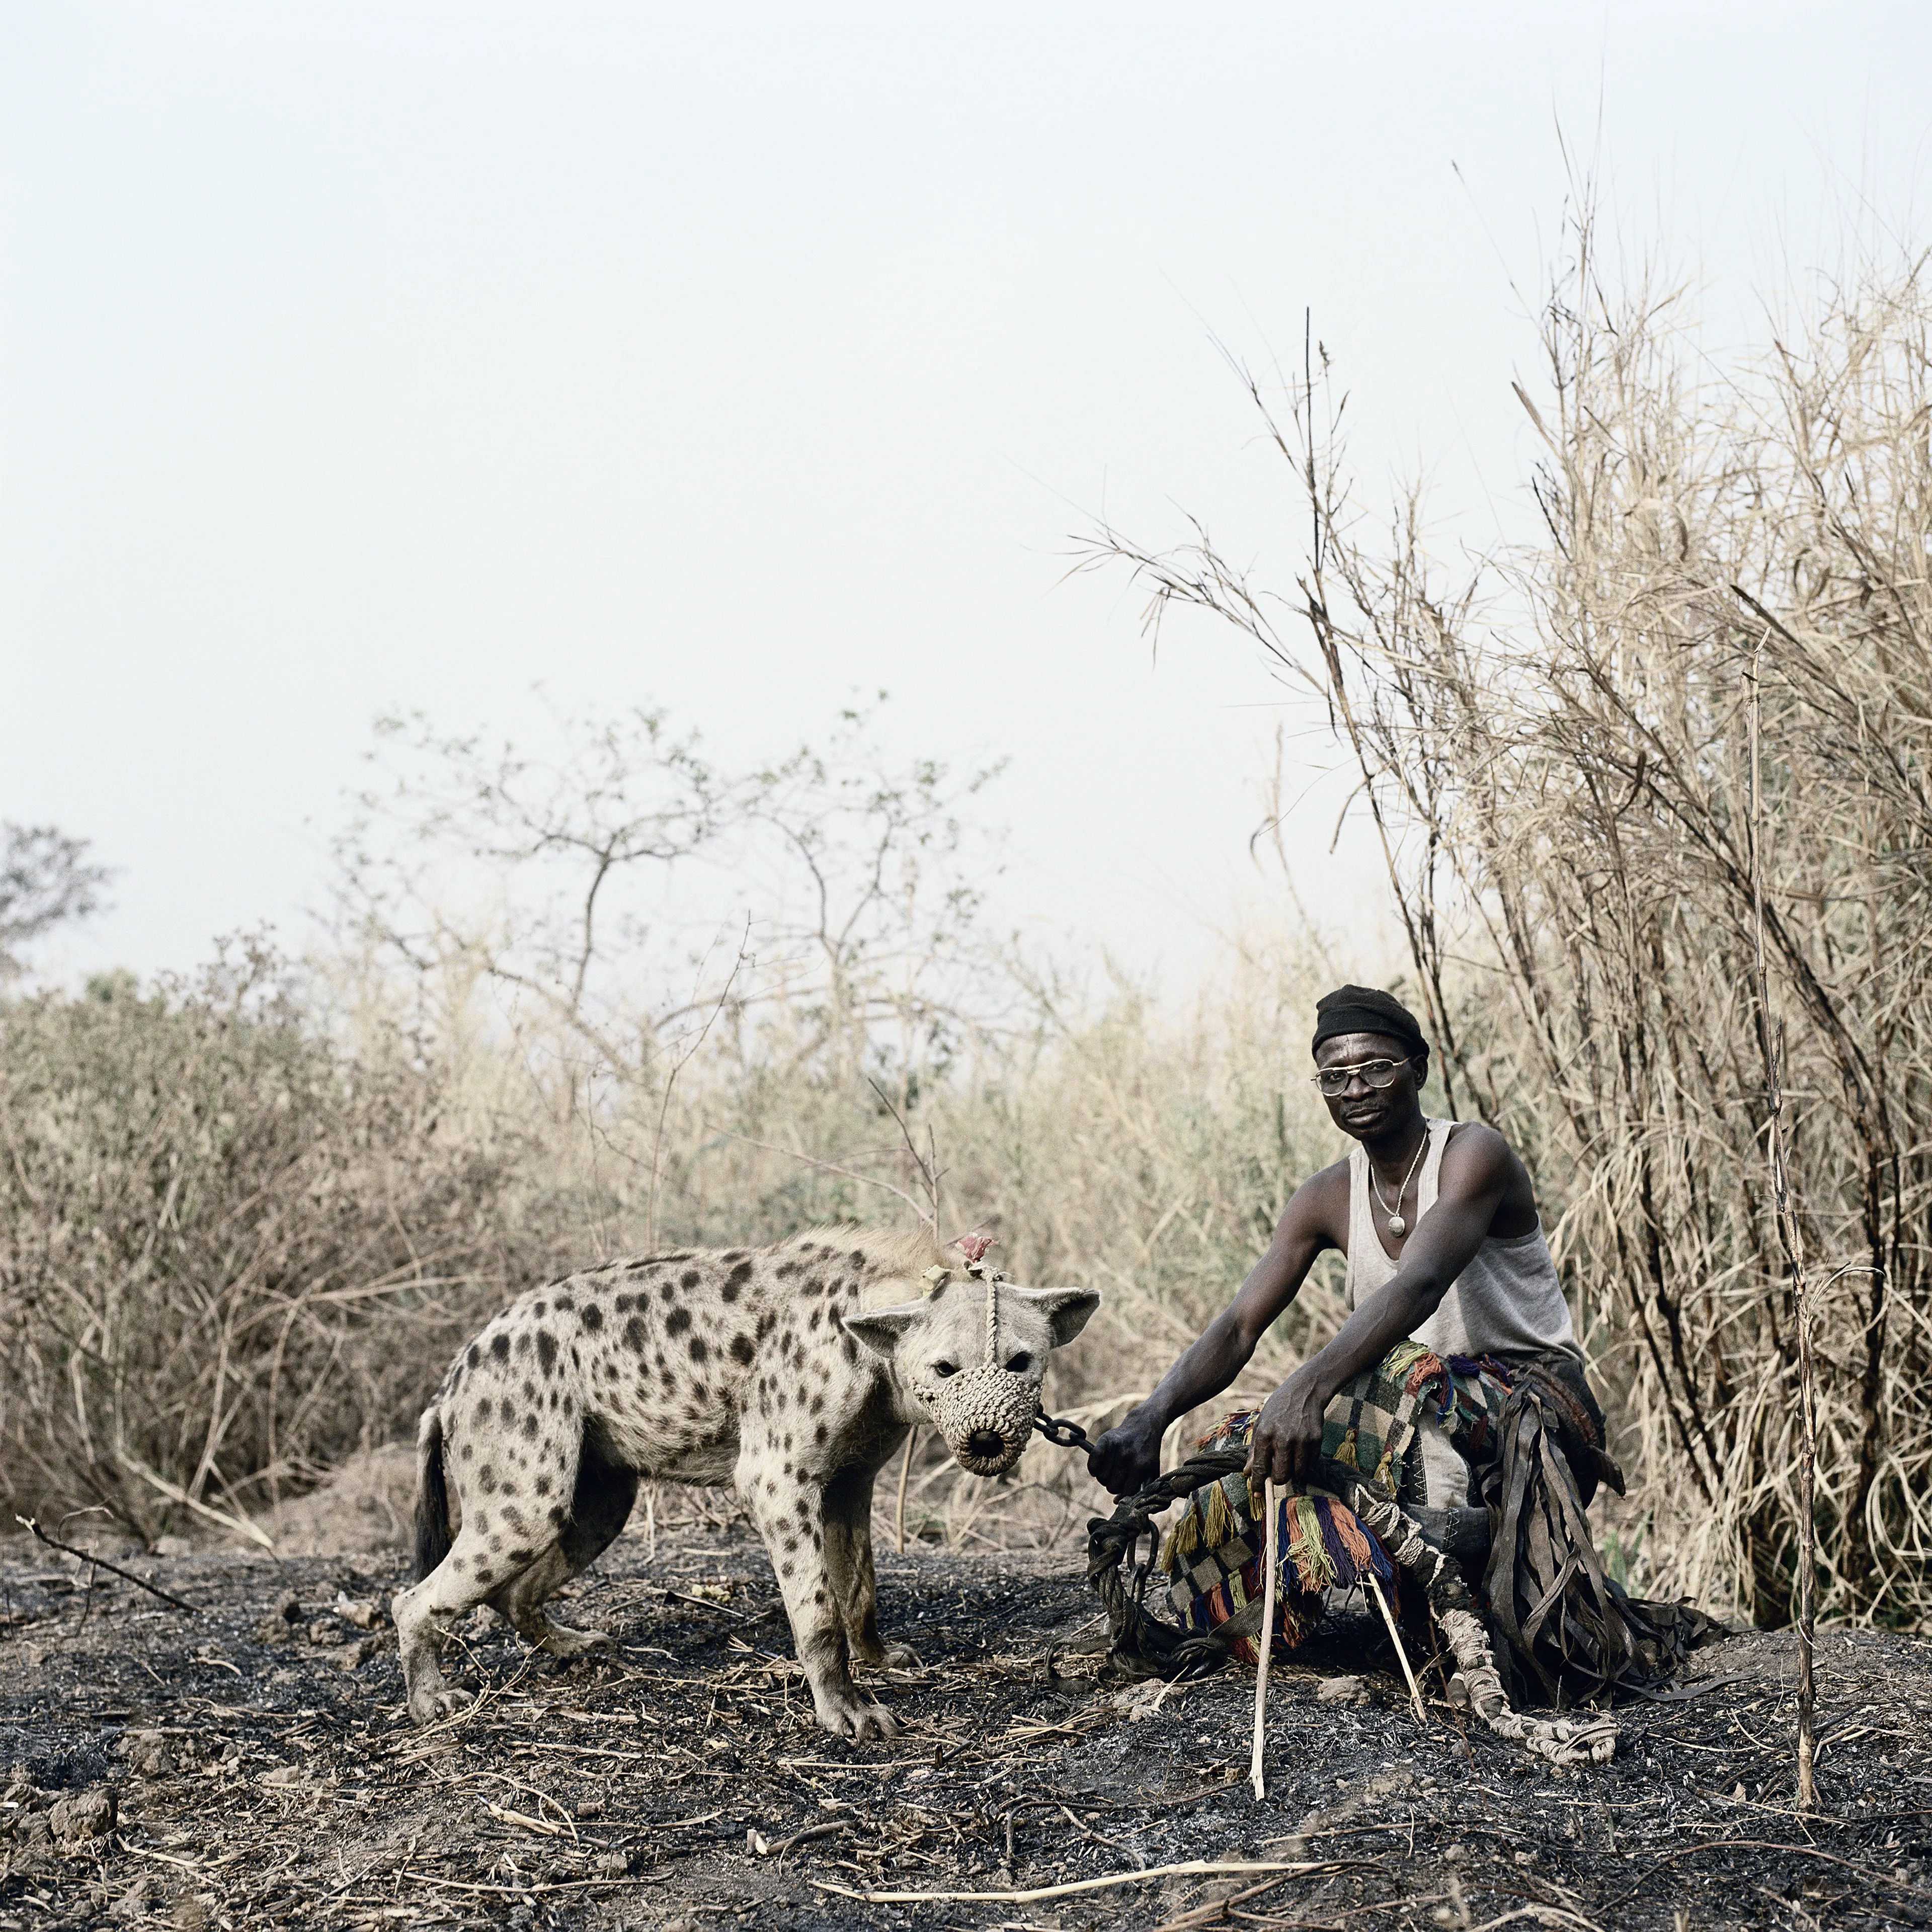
<point>777,1368</point>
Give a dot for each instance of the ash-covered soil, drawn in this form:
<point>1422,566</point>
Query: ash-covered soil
<point>248,1763</point>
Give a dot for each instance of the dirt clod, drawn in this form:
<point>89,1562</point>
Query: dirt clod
<point>87,1814</point>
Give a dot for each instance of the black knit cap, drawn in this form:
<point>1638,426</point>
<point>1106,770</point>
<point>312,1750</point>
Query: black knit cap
<point>1366,1009</point>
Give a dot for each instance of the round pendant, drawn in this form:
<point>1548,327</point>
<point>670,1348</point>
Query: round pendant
<point>1397,1225</point>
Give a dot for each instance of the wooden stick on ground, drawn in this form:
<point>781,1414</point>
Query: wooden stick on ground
<point>1265,1639</point>
<point>905,1470</point>
<point>1190,1868</point>
<point>101,1562</point>
<point>1395,1637</point>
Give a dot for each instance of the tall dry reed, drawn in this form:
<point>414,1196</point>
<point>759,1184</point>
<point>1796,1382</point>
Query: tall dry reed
<point>1553,746</point>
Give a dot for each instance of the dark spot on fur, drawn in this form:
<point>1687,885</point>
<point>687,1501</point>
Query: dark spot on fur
<point>565,1305</point>
<point>819,1434</point>
<point>474,1355</point>
<point>542,1486</point>
<point>689,1279</point>
<point>556,1512</point>
<point>486,1479</point>
<point>858,1258</point>
<point>667,1289</point>
<point>531,1425</point>
<point>677,1321</point>
<point>851,1349</point>
<point>499,1346</point>
<point>785,1268</point>
<point>509,1409</point>
<point>592,1317</point>
<point>741,1350</point>
<point>546,1349</point>
<point>698,1350</point>
<point>637,1336</point>
<point>814,1286</point>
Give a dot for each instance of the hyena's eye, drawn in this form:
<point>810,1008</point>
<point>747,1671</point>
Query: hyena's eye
<point>1019,1365</point>
<point>944,1369</point>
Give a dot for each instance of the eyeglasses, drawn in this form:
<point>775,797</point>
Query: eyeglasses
<point>1334,1081</point>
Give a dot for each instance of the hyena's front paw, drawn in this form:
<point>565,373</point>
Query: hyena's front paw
<point>850,1716</point>
<point>435,1701</point>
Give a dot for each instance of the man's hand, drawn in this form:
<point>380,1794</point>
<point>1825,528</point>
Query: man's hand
<point>1127,1457</point>
<point>1287,1441</point>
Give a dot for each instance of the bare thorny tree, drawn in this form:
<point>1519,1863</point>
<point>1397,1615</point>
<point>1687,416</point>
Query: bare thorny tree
<point>638,906</point>
<point>1553,749</point>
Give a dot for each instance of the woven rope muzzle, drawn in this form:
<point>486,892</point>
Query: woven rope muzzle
<point>977,1405</point>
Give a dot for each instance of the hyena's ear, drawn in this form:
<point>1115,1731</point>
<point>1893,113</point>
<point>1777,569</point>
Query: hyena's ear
<point>881,1329</point>
<point>1067,1309</point>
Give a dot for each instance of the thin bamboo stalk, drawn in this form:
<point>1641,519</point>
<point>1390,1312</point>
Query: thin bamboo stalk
<point>1265,1639</point>
<point>1402,1655</point>
<point>899,1511</point>
<point>1794,1243</point>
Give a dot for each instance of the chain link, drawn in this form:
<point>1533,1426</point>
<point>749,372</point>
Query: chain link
<point>1063,1435</point>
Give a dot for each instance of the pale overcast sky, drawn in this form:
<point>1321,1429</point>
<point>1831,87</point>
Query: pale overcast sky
<point>355,358</point>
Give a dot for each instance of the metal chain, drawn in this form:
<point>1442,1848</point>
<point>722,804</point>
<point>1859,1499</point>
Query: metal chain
<point>1063,1435</point>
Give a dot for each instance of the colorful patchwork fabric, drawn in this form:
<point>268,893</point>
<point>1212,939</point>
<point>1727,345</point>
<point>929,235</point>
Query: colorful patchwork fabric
<point>1212,1552</point>
<point>1372,1420</point>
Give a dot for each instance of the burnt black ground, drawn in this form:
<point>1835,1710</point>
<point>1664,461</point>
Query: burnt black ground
<point>263,1773</point>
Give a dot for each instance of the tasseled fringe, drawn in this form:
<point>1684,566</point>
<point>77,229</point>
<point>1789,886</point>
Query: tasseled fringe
<point>1183,1540</point>
<point>1302,1541</point>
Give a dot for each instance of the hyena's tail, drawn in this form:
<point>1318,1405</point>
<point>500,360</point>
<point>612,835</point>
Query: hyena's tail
<point>432,1537</point>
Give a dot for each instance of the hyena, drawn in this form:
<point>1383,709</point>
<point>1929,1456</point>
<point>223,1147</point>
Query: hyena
<point>793,1370</point>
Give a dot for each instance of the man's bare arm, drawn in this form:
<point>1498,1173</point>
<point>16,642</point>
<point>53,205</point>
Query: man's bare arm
<point>1128,1454</point>
<point>1478,1168</point>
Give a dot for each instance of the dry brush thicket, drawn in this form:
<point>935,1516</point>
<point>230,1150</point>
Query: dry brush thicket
<point>244,1222</point>
<point>229,1249</point>
<point>1554,745</point>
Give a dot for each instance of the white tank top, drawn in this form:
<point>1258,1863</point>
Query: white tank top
<point>1507,1301</point>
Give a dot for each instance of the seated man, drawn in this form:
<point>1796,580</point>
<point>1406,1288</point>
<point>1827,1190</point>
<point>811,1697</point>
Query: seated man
<point>1457,1331</point>
<point>1438,1222</point>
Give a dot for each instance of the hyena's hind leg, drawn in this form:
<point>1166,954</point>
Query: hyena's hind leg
<point>508,1518</point>
<point>849,1570</point>
<point>600,1506</point>
<point>471,1574</point>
